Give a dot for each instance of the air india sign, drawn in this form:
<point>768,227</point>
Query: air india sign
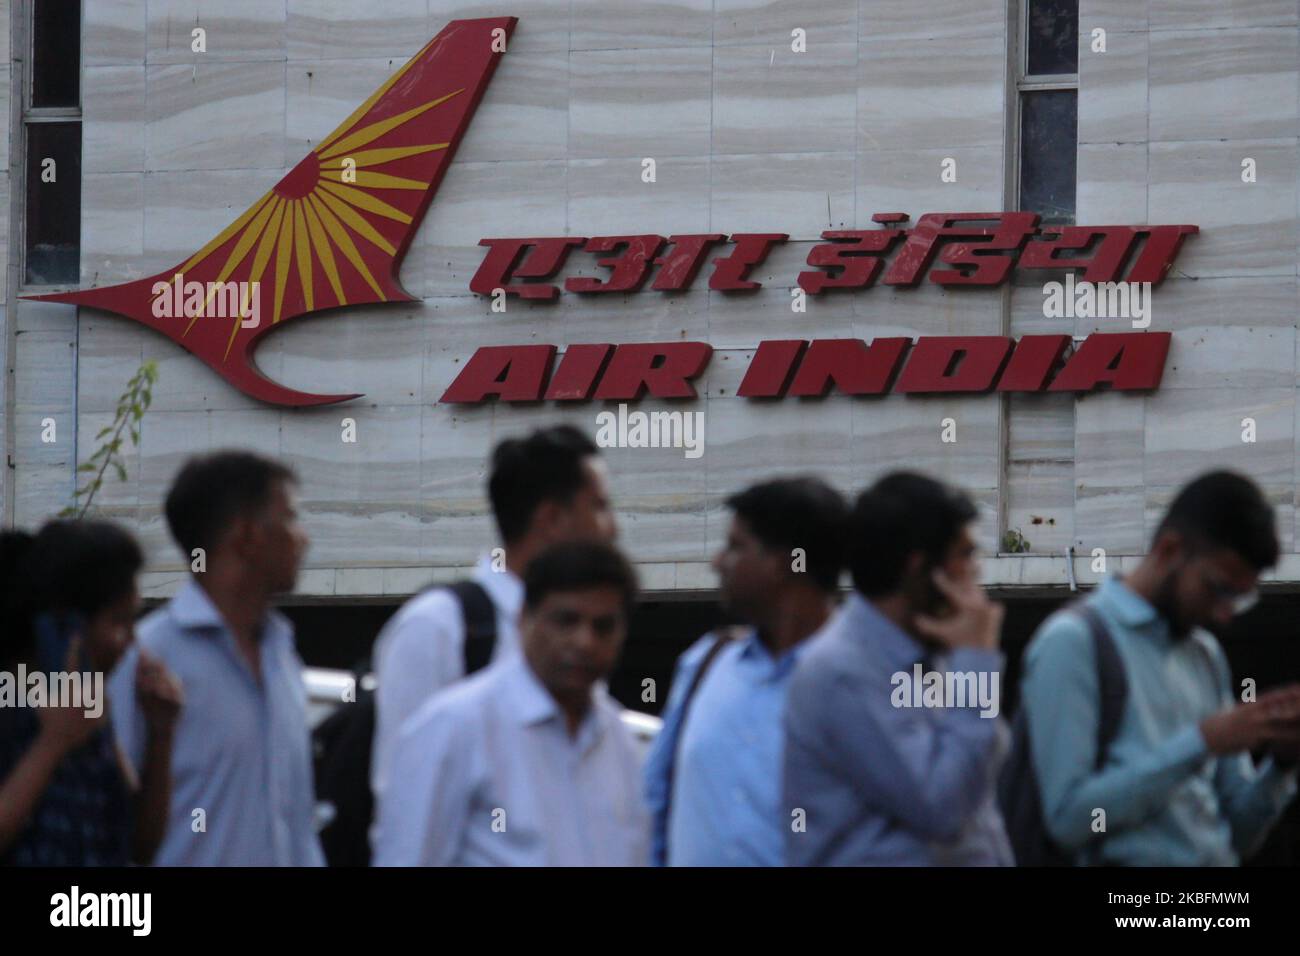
<point>333,233</point>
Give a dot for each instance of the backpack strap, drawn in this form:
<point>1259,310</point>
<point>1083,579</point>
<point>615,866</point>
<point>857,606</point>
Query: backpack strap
<point>1019,793</point>
<point>1112,683</point>
<point>480,617</point>
<point>722,637</point>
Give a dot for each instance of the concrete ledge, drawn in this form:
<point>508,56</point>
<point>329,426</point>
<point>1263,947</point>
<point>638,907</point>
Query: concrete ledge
<point>1019,575</point>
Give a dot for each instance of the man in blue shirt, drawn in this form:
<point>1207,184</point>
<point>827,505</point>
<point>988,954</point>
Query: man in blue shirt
<point>713,776</point>
<point>241,775</point>
<point>1177,786</point>
<point>892,737</point>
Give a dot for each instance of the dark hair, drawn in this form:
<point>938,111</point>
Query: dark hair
<point>901,513</point>
<point>544,466</point>
<point>77,566</point>
<point>803,512</point>
<point>578,566</point>
<point>82,566</point>
<point>1223,509</point>
<point>212,490</point>
<point>16,604</point>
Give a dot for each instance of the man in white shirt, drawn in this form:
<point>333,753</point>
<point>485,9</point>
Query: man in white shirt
<point>546,488</point>
<point>528,762</point>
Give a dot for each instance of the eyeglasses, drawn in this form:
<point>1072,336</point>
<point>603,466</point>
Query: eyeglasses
<point>1240,601</point>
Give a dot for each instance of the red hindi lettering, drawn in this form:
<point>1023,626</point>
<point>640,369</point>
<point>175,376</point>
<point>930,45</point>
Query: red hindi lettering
<point>679,266</point>
<point>628,270</point>
<point>983,266</point>
<point>751,248</point>
<point>849,265</point>
<point>541,259</point>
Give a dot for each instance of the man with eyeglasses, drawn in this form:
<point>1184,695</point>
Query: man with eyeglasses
<point>1176,785</point>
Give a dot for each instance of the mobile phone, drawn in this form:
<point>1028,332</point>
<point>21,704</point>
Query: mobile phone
<point>54,633</point>
<point>932,600</point>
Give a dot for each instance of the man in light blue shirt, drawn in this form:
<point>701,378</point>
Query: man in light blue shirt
<point>1177,786</point>
<point>884,767</point>
<point>713,776</point>
<point>241,791</point>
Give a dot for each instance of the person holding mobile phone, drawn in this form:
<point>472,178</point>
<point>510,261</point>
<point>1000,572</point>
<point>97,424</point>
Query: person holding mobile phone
<point>67,798</point>
<point>1176,779</point>
<point>893,739</point>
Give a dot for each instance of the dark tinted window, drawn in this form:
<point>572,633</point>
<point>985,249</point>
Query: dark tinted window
<point>53,208</point>
<point>56,53</point>
<point>1048,153</point>
<point>1052,40</point>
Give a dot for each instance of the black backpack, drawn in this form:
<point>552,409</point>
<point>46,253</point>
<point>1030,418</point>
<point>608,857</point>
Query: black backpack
<point>1018,792</point>
<point>342,742</point>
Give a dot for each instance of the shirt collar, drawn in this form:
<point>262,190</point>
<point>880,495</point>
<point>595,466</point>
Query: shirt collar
<point>896,648</point>
<point>753,650</point>
<point>533,704</point>
<point>193,609</point>
<point>751,646</point>
<point>1128,607</point>
<point>524,694</point>
<point>504,587</point>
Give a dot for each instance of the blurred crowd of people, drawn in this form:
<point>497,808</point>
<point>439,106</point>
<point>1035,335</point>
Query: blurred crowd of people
<point>824,730</point>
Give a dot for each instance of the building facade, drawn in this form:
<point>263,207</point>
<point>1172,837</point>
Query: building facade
<point>755,117</point>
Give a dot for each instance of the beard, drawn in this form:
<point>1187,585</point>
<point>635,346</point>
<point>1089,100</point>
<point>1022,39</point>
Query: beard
<point>732,606</point>
<point>1166,604</point>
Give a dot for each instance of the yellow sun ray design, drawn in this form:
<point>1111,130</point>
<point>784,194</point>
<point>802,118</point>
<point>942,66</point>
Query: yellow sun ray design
<point>303,254</point>
<point>377,157</point>
<point>226,233</point>
<point>292,230</point>
<point>384,181</point>
<point>368,134</point>
<point>364,108</point>
<point>222,237</point>
<point>355,220</point>
<point>323,252</point>
<point>236,256</point>
<point>365,201</point>
<point>260,259</point>
<point>342,240</point>
<point>283,250</point>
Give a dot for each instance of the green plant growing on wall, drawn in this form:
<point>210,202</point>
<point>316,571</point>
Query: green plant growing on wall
<point>1013,542</point>
<point>131,407</point>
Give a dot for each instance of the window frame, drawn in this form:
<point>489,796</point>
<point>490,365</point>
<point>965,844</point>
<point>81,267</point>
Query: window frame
<point>1018,83</point>
<point>1026,82</point>
<point>32,116</point>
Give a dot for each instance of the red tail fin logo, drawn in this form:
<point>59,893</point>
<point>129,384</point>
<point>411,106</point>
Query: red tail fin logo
<point>334,231</point>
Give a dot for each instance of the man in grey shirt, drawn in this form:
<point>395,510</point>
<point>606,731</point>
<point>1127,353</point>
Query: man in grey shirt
<point>892,737</point>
